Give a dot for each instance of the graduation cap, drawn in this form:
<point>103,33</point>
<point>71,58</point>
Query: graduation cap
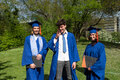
<point>36,24</point>
<point>94,30</point>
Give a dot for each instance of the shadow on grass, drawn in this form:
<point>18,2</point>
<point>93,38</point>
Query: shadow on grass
<point>8,77</point>
<point>46,77</point>
<point>110,44</point>
<point>2,65</point>
<point>107,79</point>
<point>82,70</point>
<point>5,65</point>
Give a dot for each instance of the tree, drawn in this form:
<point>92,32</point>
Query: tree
<point>80,14</point>
<point>110,7</point>
<point>50,10</point>
<point>12,33</point>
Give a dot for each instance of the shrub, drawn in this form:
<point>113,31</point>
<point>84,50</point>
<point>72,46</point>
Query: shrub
<point>105,35</point>
<point>13,39</point>
<point>109,36</point>
<point>116,37</point>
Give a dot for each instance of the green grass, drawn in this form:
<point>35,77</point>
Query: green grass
<point>11,69</point>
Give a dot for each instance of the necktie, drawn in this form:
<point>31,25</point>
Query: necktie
<point>37,42</point>
<point>64,44</point>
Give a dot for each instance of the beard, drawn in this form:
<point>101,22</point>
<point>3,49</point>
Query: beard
<point>36,32</point>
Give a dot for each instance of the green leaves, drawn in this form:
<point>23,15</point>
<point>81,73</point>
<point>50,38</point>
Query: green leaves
<point>110,7</point>
<point>12,33</point>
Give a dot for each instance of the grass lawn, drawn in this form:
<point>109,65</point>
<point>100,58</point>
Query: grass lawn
<point>11,69</point>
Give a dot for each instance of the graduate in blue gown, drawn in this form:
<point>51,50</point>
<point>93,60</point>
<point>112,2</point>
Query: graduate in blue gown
<point>72,52</point>
<point>97,50</point>
<point>34,45</point>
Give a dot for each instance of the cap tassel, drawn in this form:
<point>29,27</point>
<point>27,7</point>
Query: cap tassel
<point>97,36</point>
<point>40,31</point>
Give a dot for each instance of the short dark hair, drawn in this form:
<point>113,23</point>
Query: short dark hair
<point>61,22</point>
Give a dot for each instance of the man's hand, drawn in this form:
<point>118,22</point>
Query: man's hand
<point>89,69</point>
<point>74,65</point>
<point>58,34</point>
<point>39,56</point>
<point>32,66</point>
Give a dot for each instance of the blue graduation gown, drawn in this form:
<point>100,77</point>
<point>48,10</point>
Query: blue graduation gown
<point>73,55</point>
<point>37,73</point>
<point>98,69</point>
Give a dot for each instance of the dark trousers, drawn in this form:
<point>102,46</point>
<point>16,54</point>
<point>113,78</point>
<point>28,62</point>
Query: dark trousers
<point>60,66</point>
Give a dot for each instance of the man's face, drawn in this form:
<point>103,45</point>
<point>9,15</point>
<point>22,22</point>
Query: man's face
<point>93,36</point>
<point>36,30</point>
<point>62,28</point>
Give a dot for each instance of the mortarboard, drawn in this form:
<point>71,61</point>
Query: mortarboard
<point>94,30</point>
<point>35,23</point>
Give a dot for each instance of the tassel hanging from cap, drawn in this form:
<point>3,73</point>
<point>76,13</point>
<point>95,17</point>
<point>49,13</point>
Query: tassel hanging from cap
<point>40,31</point>
<point>97,36</point>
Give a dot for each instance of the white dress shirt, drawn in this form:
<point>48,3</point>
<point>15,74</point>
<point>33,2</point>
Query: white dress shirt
<point>62,56</point>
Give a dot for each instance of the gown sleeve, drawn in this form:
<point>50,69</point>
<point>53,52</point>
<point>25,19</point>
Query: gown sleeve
<point>27,54</point>
<point>51,44</point>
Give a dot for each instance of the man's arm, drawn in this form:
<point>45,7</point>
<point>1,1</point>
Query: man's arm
<point>51,44</point>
